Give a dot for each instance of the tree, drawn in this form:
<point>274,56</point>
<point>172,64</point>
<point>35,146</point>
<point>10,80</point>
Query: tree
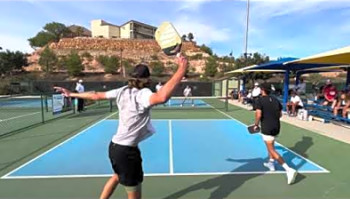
<point>206,49</point>
<point>157,68</point>
<point>52,32</point>
<point>184,38</point>
<point>48,60</point>
<point>110,64</point>
<point>128,66</point>
<point>10,61</point>
<point>257,59</point>
<point>41,39</point>
<point>73,63</point>
<point>190,36</point>
<point>210,67</point>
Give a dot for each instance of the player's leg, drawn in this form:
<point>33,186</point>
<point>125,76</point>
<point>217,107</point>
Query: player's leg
<point>270,144</point>
<point>134,192</point>
<point>183,101</point>
<point>109,187</point>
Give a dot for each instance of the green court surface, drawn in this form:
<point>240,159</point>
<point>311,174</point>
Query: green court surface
<point>19,148</point>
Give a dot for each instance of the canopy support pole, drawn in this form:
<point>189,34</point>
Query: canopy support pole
<point>285,90</point>
<point>347,77</point>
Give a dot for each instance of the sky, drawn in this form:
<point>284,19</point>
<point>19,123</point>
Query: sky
<point>277,28</point>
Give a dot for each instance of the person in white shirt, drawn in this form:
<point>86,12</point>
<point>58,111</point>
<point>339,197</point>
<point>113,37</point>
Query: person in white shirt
<point>134,103</point>
<point>294,104</point>
<point>301,87</point>
<point>187,93</point>
<point>80,89</point>
<point>255,94</point>
<point>159,86</point>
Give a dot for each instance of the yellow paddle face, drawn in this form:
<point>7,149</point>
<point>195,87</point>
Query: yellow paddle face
<point>168,38</point>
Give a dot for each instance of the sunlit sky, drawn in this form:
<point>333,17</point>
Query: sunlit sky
<point>278,28</point>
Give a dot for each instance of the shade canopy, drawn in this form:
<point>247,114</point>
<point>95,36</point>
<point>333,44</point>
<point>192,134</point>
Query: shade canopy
<point>339,56</point>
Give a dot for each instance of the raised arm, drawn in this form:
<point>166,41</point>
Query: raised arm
<point>85,95</point>
<point>166,91</point>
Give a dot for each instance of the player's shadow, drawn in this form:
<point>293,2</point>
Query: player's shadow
<point>224,184</point>
<point>301,147</point>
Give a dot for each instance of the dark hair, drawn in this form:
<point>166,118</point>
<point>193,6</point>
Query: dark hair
<point>265,88</point>
<point>139,83</point>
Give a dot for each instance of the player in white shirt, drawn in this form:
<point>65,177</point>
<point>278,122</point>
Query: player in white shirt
<point>294,104</point>
<point>187,93</point>
<point>80,89</point>
<point>134,103</point>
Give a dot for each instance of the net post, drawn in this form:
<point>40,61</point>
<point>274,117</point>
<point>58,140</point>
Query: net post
<point>46,104</point>
<point>73,104</point>
<point>110,105</point>
<point>42,108</point>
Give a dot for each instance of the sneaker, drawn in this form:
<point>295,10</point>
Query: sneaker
<point>192,105</point>
<point>291,175</point>
<point>270,166</point>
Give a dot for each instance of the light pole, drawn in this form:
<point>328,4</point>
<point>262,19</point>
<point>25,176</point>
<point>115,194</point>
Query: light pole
<point>246,46</point>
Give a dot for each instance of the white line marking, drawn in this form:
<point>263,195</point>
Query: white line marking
<point>18,116</point>
<point>171,160</point>
<point>182,119</point>
<point>278,143</point>
<point>163,174</point>
<point>60,144</point>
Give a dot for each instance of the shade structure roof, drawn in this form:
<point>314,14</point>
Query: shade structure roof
<point>339,56</point>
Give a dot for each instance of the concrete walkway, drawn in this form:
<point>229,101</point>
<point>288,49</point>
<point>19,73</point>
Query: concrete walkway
<point>327,129</point>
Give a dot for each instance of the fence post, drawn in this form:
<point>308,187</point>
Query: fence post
<point>226,97</point>
<point>42,109</point>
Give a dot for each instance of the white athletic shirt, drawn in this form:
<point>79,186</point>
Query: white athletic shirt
<point>134,115</point>
<point>297,99</point>
<point>256,91</point>
<point>158,87</point>
<point>80,88</point>
<point>187,92</point>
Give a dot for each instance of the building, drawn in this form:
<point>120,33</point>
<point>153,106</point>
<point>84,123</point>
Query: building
<point>129,30</point>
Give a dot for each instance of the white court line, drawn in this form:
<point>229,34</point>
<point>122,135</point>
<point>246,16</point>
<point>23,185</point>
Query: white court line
<point>171,159</point>
<point>60,144</point>
<point>11,118</point>
<point>325,170</point>
<point>163,174</point>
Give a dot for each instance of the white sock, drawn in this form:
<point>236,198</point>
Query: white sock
<point>271,160</point>
<point>286,167</point>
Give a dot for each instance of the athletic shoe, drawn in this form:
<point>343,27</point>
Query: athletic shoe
<point>270,166</point>
<point>192,105</point>
<point>291,175</point>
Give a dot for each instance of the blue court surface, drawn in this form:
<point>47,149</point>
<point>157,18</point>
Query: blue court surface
<point>180,147</point>
<point>186,103</point>
<point>23,103</point>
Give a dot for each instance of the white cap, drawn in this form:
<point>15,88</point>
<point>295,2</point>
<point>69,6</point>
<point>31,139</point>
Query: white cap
<point>256,84</point>
<point>329,81</point>
<point>80,81</point>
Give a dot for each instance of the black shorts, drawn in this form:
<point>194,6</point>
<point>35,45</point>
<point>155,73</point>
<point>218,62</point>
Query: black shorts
<point>127,163</point>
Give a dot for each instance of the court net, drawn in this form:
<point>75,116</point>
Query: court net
<point>195,103</point>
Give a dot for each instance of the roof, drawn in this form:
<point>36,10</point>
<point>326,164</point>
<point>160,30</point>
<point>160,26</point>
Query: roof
<point>134,21</point>
<point>337,56</point>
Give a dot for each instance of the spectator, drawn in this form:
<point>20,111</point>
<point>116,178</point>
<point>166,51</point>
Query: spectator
<point>294,104</point>
<point>80,89</point>
<point>301,87</point>
<point>255,94</point>
<point>159,86</point>
<point>342,101</point>
<point>330,94</point>
<point>248,99</point>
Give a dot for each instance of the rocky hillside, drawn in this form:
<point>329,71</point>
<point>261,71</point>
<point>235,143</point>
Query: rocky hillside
<point>137,50</point>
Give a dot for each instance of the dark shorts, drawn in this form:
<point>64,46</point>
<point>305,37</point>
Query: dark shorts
<point>127,163</point>
<point>270,130</point>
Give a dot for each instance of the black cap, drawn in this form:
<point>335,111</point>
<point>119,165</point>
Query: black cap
<point>140,71</point>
